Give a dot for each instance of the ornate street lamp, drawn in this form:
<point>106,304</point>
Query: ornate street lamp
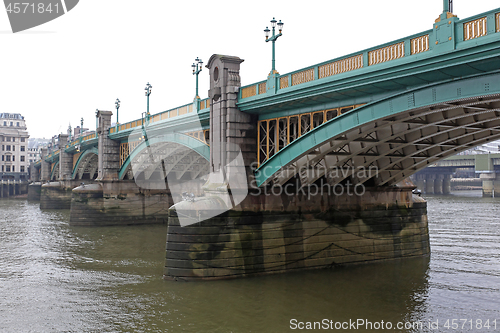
<point>197,67</point>
<point>273,39</point>
<point>96,121</point>
<point>148,92</point>
<point>117,105</point>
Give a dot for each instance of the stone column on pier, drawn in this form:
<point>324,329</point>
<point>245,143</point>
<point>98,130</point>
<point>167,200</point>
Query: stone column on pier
<point>109,150</point>
<point>420,182</point>
<point>65,159</point>
<point>438,184</point>
<point>447,184</point>
<point>34,173</point>
<point>45,166</point>
<point>489,182</point>
<point>429,184</point>
<point>232,132</point>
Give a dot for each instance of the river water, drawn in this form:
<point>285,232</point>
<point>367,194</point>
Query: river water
<point>57,278</point>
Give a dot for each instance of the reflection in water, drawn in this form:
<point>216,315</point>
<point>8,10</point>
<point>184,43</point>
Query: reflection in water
<point>59,278</point>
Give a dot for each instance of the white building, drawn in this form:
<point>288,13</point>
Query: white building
<point>35,148</point>
<point>14,161</point>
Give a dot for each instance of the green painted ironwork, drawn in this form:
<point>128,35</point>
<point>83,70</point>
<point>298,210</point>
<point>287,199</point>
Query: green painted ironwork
<point>419,97</point>
<point>92,150</point>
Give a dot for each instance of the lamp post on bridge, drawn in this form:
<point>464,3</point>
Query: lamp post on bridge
<point>78,147</point>
<point>96,121</point>
<point>273,39</point>
<point>447,6</point>
<point>117,105</point>
<point>197,67</point>
<point>148,92</point>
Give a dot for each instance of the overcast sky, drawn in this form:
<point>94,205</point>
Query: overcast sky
<point>63,70</point>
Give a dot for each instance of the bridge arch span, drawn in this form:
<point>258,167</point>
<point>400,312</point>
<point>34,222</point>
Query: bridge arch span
<point>87,164</point>
<point>170,153</point>
<point>383,142</point>
<point>54,174</point>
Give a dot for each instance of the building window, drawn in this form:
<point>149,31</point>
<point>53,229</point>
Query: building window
<point>22,148</point>
<point>7,168</point>
<point>13,168</point>
<point>8,148</point>
<point>2,158</point>
<point>2,168</point>
<point>17,124</point>
<point>11,123</point>
<point>5,123</point>
<point>13,148</point>
<point>22,158</point>
<point>3,148</point>
<point>13,158</point>
<point>23,139</point>
<point>22,168</point>
<point>7,158</point>
<point>8,139</point>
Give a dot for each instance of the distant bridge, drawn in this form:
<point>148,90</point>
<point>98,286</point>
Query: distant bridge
<point>436,177</point>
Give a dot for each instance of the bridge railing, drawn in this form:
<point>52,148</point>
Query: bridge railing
<point>165,115</point>
<point>465,30</point>
<point>82,140</point>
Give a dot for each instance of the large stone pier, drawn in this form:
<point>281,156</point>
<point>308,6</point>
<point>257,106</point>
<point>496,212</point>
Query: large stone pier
<point>274,234</point>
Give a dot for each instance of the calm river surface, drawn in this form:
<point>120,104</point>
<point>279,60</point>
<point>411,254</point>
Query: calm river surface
<point>57,278</point>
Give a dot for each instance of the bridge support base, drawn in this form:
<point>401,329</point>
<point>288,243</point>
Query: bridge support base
<point>34,191</point>
<point>280,233</point>
<point>57,195</point>
<point>122,203</point>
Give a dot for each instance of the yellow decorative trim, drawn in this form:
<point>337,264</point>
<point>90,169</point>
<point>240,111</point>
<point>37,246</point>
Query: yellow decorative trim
<point>497,19</point>
<point>419,44</point>
<point>387,53</point>
<point>296,126</point>
<point>340,66</point>
<point>284,82</point>
<point>476,28</point>
<point>303,77</point>
<point>249,91</point>
<point>262,87</point>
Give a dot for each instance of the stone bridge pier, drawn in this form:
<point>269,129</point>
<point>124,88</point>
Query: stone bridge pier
<point>56,194</point>
<point>270,230</point>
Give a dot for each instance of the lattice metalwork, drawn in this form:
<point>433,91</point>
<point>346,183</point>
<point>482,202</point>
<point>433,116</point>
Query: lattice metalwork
<point>475,29</point>
<point>249,91</point>
<point>303,77</point>
<point>201,135</point>
<point>387,53</point>
<point>419,44</point>
<point>126,148</point>
<point>274,134</point>
<point>262,88</point>
<point>284,82</point>
<point>340,66</point>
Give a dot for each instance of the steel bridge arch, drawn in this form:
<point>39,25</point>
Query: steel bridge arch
<point>83,158</point>
<point>201,148</point>
<point>55,171</point>
<point>398,135</point>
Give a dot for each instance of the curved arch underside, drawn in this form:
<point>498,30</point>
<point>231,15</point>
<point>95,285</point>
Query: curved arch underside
<point>55,172</point>
<point>87,166</point>
<point>161,159</point>
<point>385,150</point>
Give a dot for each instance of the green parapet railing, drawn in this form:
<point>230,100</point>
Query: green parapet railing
<point>165,115</point>
<point>82,140</point>
<point>464,34</point>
